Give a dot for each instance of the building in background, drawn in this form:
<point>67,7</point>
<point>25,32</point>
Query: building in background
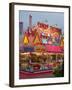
<point>20,28</point>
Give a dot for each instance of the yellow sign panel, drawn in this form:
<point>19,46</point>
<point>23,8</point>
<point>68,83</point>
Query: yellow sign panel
<point>25,41</point>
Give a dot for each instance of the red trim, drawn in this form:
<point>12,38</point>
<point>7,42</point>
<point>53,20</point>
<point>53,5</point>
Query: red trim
<point>24,75</point>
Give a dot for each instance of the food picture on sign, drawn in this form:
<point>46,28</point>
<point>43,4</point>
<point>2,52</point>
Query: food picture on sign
<point>41,44</point>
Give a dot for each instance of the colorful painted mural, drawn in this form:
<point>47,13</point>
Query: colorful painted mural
<point>41,46</point>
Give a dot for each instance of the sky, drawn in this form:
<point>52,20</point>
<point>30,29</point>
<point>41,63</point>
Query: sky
<point>51,18</point>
